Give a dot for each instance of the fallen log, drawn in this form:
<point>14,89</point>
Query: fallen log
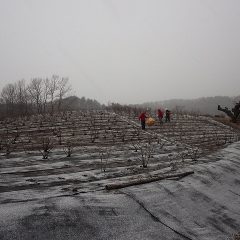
<point>146,180</point>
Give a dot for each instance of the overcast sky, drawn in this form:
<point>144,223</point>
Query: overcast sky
<point>127,51</point>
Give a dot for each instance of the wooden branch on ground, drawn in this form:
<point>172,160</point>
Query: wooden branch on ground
<point>146,180</point>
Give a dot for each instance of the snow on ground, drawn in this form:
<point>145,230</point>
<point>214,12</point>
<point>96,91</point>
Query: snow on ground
<point>65,198</point>
<point>204,206</point>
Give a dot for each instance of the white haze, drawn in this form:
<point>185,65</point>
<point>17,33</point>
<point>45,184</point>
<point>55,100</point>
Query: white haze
<point>127,51</point>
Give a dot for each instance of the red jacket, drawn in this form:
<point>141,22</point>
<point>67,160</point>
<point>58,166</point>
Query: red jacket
<point>142,117</point>
<point>160,113</point>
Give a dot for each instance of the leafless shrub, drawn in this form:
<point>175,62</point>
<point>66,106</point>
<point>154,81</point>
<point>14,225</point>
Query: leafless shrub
<point>181,132</point>
<point>59,136</point>
<point>183,154</point>
<point>173,162</point>
<point>29,138</point>
<point>16,135</point>
<point>27,146</point>
<point>26,142</point>
<point>194,153</point>
<point>122,134</point>
<point>230,138</point>
<point>93,129</point>
<point>137,133</point>
<point>160,142</point>
<point>46,145</point>
<point>104,135</point>
<point>225,139</point>
<point>204,136</point>
<point>1,143</point>
<point>114,135</point>
<point>173,165</point>
<point>8,146</point>
<point>135,146</point>
<point>217,138</point>
<point>68,148</point>
<point>145,149</point>
<point>104,154</point>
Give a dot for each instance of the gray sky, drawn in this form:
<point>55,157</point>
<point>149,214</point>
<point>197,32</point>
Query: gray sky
<point>127,51</point>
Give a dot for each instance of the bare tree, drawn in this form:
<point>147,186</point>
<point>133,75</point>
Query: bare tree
<point>52,90</point>
<point>8,96</point>
<point>21,97</point>
<point>63,88</point>
<point>46,94</point>
<point>35,90</point>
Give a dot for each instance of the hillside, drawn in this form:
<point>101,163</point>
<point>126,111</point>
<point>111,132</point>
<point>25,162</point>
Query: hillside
<point>64,197</point>
<point>85,150</point>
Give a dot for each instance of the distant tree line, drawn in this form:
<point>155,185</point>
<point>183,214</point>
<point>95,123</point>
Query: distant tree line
<point>76,103</point>
<point>125,109</point>
<point>39,96</point>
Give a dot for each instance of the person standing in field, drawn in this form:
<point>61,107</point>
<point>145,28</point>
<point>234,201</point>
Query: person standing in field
<point>160,115</point>
<point>167,115</point>
<point>142,117</point>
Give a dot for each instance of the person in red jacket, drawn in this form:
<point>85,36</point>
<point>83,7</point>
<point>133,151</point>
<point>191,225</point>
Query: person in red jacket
<point>142,117</point>
<point>160,115</point>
